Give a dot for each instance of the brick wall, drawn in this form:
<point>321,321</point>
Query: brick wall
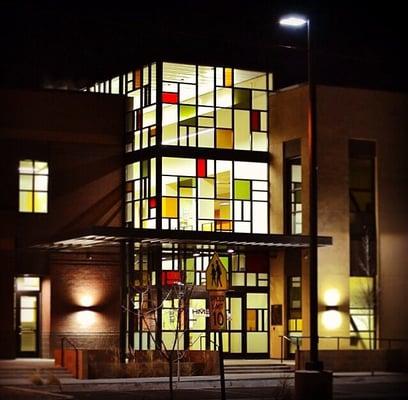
<point>85,299</point>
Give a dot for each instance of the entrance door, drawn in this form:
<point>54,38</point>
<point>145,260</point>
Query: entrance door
<point>27,324</point>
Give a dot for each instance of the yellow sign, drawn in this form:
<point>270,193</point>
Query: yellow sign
<point>216,275</point>
<point>218,315</point>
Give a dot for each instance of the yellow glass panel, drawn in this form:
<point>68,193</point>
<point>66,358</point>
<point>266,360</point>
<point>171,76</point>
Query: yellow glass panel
<point>206,209</point>
<point>224,138</point>
<point>223,209</point>
<point>169,185</point>
<point>206,187</point>
<point>26,202</point>
<point>361,292</point>
<point>26,182</point>
<point>26,167</point>
<point>224,118</point>
<point>198,314</point>
<point>197,341</point>
<point>236,342</point>
<point>259,100</point>
<point>28,341</point>
<point>238,279</point>
<point>242,138</point>
<point>236,313</point>
<point>40,202</point>
<point>257,342</point>
<point>169,207</point>
<point>257,300</point>
<point>259,141</point>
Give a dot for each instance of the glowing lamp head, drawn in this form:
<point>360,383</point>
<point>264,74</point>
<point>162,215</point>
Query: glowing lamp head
<point>294,21</point>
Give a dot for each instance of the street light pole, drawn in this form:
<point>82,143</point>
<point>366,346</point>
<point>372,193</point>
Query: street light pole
<point>313,364</point>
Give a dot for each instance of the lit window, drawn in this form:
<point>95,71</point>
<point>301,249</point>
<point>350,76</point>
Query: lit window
<point>33,186</point>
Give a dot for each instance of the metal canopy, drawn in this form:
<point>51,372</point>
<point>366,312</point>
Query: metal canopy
<point>111,236</point>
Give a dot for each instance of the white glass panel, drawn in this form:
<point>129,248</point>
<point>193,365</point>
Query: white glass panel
<point>134,99</point>
<point>224,97</point>
<point>179,166</point>
<point>187,94</point>
<point>242,227</point>
<point>259,185</point>
<point>28,283</point>
<point>206,137</point>
<point>184,73</point>
<point>260,217</point>
<point>41,182</point>
<point>263,196</point>
<point>250,170</point>
<point>149,116</point>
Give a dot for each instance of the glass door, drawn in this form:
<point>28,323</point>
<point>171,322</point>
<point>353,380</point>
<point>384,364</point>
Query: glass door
<point>27,324</point>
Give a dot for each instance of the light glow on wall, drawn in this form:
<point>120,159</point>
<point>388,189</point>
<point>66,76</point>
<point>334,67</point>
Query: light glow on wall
<point>86,318</point>
<point>86,300</point>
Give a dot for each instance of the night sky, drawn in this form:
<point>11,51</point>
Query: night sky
<point>64,44</point>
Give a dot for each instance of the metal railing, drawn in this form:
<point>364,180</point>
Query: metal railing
<point>63,339</point>
<point>375,343</point>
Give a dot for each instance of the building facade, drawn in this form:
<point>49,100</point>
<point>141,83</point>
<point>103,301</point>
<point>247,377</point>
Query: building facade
<point>120,196</point>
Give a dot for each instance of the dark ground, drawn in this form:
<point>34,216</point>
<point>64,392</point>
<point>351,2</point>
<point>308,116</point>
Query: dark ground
<point>357,388</point>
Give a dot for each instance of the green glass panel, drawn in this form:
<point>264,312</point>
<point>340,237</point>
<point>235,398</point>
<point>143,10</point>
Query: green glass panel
<point>242,190</point>
<point>187,182</point>
<point>188,116</point>
<point>144,168</point>
<point>242,98</point>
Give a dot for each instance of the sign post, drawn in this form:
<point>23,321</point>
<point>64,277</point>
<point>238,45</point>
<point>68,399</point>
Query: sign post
<point>217,285</point>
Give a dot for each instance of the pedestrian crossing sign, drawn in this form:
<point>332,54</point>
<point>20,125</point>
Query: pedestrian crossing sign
<point>216,275</point>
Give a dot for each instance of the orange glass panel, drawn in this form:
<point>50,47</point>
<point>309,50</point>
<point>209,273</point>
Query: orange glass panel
<point>251,320</point>
<point>227,76</point>
<point>138,79</point>
<point>224,138</point>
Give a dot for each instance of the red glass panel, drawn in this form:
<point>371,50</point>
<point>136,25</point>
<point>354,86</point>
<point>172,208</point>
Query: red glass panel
<point>168,97</point>
<point>256,262</point>
<point>152,202</point>
<point>255,120</point>
<point>139,119</point>
<point>201,168</point>
<point>170,277</point>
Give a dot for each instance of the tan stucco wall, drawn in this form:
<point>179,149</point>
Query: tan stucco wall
<point>345,114</point>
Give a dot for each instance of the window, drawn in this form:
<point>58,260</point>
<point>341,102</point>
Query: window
<point>33,186</point>
<point>293,187</point>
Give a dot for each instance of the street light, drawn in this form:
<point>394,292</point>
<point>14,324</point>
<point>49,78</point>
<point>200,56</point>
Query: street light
<point>297,21</point>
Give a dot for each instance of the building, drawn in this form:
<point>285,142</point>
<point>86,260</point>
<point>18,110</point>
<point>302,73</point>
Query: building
<point>121,193</point>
